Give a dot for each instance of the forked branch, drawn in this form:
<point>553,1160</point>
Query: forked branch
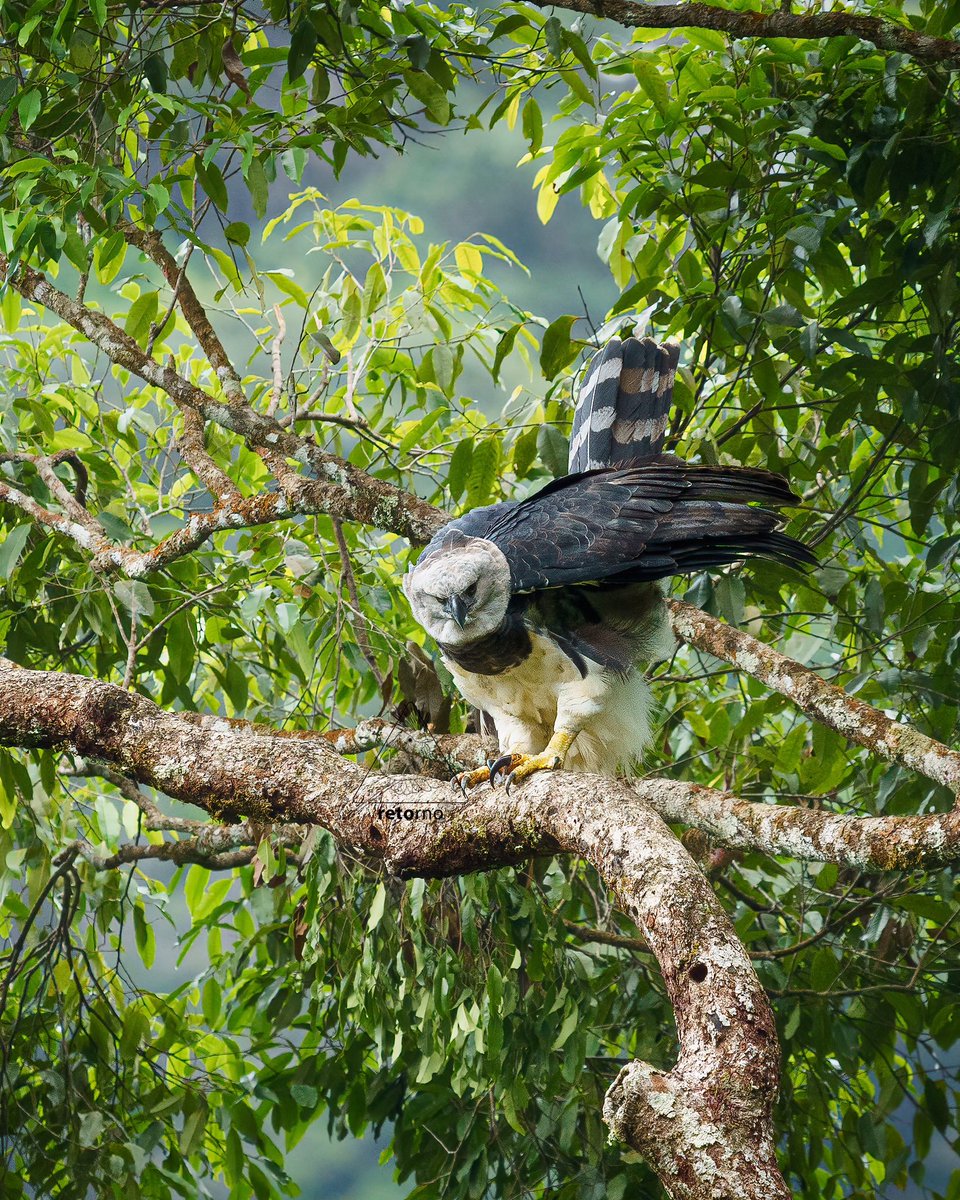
<point>705,1125</point>
<point>333,486</point>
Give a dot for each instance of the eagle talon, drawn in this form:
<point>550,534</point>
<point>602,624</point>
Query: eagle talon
<point>470,779</point>
<point>517,767</point>
<point>503,764</point>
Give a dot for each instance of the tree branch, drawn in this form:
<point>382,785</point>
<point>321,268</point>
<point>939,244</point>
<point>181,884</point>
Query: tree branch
<point>76,523</point>
<point>823,701</point>
<point>885,35</point>
<point>705,1125</point>
<point>150,242</point>
<point>872,843</point>
<point>338,487</point>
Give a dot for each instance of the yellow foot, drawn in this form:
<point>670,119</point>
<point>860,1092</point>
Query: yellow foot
<point>470,779</point>
<point>516,767</point>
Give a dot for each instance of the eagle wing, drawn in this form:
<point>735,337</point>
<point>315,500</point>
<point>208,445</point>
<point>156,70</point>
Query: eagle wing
<point>638,524</point>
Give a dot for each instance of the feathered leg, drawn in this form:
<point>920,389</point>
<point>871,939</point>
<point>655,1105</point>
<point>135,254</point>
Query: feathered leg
<point>578,701</point>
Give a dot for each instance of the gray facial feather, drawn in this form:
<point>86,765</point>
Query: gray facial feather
<point>478,573</point>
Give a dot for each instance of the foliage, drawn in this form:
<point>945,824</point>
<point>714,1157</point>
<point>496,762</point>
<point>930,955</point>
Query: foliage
<point>789,211</point>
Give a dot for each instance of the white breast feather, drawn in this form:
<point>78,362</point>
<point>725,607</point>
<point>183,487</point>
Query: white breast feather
<point>612,712</point>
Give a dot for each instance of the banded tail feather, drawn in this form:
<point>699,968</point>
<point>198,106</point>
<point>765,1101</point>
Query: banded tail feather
<point>623,405</point>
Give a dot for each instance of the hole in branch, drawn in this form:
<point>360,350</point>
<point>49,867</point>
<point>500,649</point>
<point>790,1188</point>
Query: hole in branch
<point>698,972</point>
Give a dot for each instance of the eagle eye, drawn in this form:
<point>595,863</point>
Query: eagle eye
<point>471,591</point>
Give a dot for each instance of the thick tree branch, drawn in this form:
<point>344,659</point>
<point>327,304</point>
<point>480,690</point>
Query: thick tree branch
<point>223,853</point>
<point>190,445</point>
<point>58,522</point>
<point>885,35</point>
<point>704,1125</point>
<point>458,752</point>
<point>872,843</point>
<point>824,702</point>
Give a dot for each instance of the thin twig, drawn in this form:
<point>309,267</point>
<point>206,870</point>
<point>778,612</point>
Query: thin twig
<point>132,644</point>
<point>360,630</point>
<point>275,346</point>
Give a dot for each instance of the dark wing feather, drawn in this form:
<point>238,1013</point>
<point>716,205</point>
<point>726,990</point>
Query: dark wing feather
<point>641,523</point>
<point>475,524</point>
<point>623,404</point>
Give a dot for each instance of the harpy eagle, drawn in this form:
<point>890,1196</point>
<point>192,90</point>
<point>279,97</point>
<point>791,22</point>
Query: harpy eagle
<point>544,609</point>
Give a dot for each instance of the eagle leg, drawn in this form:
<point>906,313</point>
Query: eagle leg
<point>521,766</point>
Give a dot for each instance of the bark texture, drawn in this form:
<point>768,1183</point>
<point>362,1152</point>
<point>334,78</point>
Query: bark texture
<point>884,34</point>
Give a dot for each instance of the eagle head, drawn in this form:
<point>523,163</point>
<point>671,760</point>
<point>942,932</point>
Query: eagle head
<point>460,589</point>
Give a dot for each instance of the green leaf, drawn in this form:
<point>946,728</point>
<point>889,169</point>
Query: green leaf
<point>11,548</point>
<point>483,472</point>
<point>823,971</point>
<point>783,314</point>
<point>652,83</point>
<point>414,436</point>
<point>213,184</point>
<point>91,1127</point>
<point>582,52</point>
<point>418,51</point>
<point>305,1095</point>
<point>351,311</point>
<point>194,1125</point>
<point>28,107</point>
<point>303,42</point>
<point>807,236</point>
<point>570,1023</point>
<point>258,187</point>
<point>459,469</point>
<point>553,32</point>
<point>155,72</point>
<point>553,449</point>
<point>146,940</point>
<point>377,906</point>
<point>108,257</point>
<point>135,1029</point>
<point>284,283</point>
<point>532,124</point>
<point>730,595</point>
<point>430,94</point>
<point>557,350</point>
<point>525,451</point>
<point>504,347</point>
<point>237,232</point>
<point>443,366</point>
<point>374,289</point>
<point>143,312</point>
<point>935,1102</point>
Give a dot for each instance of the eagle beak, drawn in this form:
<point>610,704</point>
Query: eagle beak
<point>458,608</point>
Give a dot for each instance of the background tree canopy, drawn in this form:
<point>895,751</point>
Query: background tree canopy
<point>225,403</point>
